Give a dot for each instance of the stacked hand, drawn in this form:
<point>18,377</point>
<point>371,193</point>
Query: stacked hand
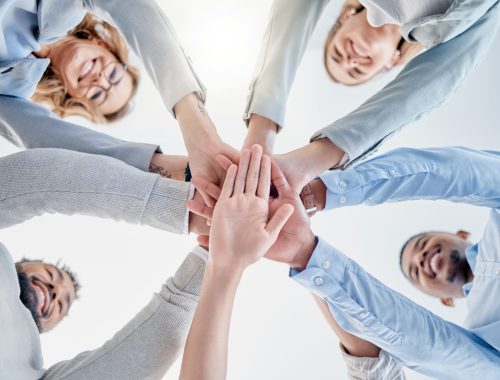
<point>295,241</point>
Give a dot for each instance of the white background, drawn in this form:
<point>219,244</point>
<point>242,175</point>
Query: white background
<point>276,332</point>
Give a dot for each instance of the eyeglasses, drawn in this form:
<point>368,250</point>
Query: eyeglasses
<point>113,72</point>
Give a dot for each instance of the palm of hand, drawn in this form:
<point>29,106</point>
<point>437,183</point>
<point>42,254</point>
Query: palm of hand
<point>249,234</point>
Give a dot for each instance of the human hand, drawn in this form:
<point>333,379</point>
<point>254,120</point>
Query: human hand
<point>296,241</point>
<point>202,142</point>
<point>302,165</point>
<point>241,231</point>
<point>197,223</point>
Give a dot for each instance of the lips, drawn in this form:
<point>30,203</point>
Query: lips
<point>42,295</point>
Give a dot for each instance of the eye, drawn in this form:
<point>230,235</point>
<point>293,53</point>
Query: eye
<point>416,273</point>
<point>358,71</point>
<point>113,75</point>
<point>96,95</point>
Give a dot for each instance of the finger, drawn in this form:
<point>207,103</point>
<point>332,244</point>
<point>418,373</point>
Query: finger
<point>264,177</point>
<point>252,179</point>
<point>203,240</point>
<point>227,188</point>
<point>278,178</point>
<point>200,209</point>
<point>239,183</point>
<point>278,220</point>
<point>223,161</point>
<point>207,187</point>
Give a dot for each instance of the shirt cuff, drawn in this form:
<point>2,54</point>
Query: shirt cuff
<point>185,229</point>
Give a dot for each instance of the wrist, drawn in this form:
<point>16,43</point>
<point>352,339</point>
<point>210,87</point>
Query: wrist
<point>305,252</point>
<point>322,155</point>
<point>318,188</point>
<point>193,119</point>
<point>261,131</point>
<point>225,272</point>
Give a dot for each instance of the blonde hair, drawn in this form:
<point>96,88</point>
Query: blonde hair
<point>52,91</point>
<point>408,50</point>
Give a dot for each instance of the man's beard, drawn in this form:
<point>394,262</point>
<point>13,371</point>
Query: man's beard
<point>459,267</point>
<point>28,297</point>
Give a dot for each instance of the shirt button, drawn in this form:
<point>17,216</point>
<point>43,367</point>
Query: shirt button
<point>343,184</point>
<point>326,264</point>
<point>342,199</point>
<point>392,172</point>
<point>319,280</point>
<point>498,271</point>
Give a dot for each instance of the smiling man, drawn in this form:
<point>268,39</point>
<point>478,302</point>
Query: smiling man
<point>47,291</point>
<point>442,264</point>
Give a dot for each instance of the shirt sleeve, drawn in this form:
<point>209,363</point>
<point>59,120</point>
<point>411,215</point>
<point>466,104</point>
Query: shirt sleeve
<point>40,181</point>
<point>148,345</point>
<point>363,368</point>
<point>417,338</point>
<point>456,174</point>
<point>289,28</point>
<point>152,37</point>
<point>29,125</point>
<point>424,84</point>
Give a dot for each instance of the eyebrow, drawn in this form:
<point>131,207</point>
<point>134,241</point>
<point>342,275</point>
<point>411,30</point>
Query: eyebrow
<point>59,273</point>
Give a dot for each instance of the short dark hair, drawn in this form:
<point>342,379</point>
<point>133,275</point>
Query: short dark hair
<point>63,267</point>
<point>404,247</point>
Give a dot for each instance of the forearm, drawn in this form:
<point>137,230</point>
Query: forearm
<point>353,345</point>
<point>261,131</point>
<point>451,173</point>
<point>30,126</point>
<point>205,354</point>
<point>39,181</point>
<point>153,338</point>
<point>290,26</point>
<point>169,166</point>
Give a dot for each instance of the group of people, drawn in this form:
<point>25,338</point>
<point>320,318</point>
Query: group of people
<point>60,58</point>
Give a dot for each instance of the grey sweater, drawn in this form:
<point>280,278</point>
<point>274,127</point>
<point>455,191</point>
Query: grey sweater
<point>144,348</point>
<point>38,181</point>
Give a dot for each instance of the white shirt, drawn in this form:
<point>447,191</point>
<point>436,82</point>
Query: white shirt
<point>380,12</point>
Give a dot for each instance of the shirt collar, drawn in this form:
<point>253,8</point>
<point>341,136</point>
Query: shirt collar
<point>57,17</point>
<point>471,255</point>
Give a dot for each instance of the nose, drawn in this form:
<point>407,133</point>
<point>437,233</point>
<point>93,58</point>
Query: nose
<point>100,80</point>
<point>352,62</point>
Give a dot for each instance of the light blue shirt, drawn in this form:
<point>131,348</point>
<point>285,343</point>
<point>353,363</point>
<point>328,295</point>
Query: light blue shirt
<point>367,308</point>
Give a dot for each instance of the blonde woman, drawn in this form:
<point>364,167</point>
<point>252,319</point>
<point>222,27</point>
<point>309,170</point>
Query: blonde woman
<point>86,72</point>
<point>365,41</point>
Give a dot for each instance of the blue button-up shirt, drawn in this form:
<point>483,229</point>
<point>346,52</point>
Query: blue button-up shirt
<point>367,308</point>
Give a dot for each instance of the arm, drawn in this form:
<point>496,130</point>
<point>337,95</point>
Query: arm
<point>242,231</point>
<point>364,360</point>
<point>147,346</point>
<point>39,181</point>
<point>414,336</point>
<point>29,125</point>
<point>453,173</point>
<point>290,26</point>
<point>404,100</point>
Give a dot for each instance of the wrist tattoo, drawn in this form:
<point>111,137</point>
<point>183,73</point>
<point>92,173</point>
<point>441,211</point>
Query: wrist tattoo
<point>201,107</point>
<point>159,170</point>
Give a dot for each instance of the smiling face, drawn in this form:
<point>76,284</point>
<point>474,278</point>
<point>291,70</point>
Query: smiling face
<point>435,263</point>
<point>357,51</point>
<point>47,291</point>
<point>83,65</point>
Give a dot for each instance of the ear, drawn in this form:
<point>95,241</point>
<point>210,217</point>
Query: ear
<point>396,56</point>
<point>347,13</point>
<point>463,234</point>
<point>448,302</point>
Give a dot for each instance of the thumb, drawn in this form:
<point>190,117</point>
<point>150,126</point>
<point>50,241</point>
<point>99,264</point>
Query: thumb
<point>224,161</point>
<point>278,220</point>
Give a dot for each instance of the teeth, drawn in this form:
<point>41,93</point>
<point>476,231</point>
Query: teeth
<point>434,263</point>
<point>359,52</point>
